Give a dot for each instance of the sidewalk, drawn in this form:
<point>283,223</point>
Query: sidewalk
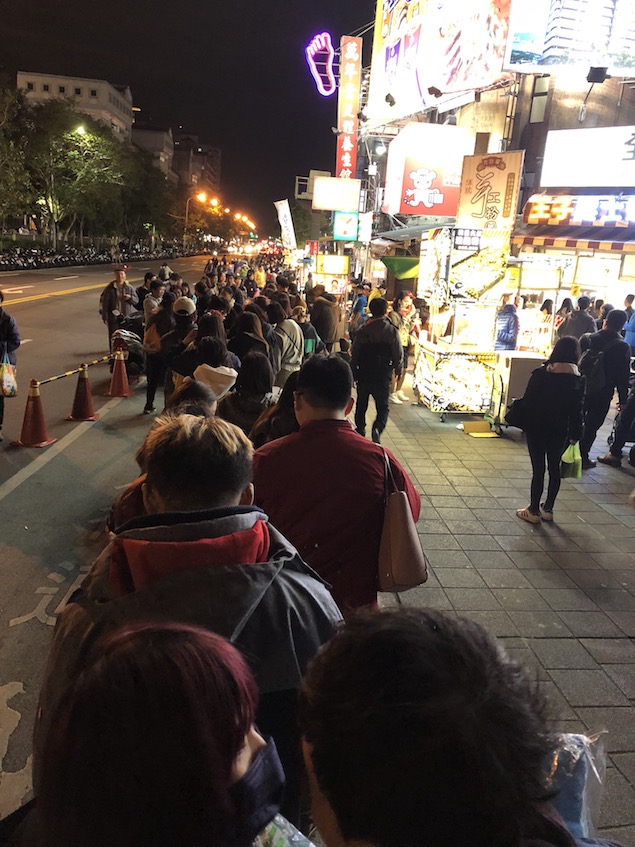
<point>560,596</point>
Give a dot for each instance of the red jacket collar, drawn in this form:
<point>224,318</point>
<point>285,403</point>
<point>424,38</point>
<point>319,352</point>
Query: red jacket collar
<point>324,425</point>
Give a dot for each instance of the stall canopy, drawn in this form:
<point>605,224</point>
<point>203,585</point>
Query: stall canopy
<point>613,239</point>
<point>403,267</point>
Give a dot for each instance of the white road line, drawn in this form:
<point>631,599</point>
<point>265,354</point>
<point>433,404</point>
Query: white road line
<point>25,341</point>
<point>33,467</point>
<point>16,290</point>
<point>57,278</point>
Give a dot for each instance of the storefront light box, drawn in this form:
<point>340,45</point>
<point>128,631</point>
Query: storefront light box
<point>331,194</point>
<point>590,158</point>
<point>331,265</point>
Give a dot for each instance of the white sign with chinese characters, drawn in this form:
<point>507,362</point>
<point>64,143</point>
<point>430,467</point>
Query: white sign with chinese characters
<point>590,158</point>
<point>490,186</point>
<point>287,229</point>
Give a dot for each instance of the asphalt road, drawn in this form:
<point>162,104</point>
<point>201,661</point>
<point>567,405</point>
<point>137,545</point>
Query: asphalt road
<point>53,501</point>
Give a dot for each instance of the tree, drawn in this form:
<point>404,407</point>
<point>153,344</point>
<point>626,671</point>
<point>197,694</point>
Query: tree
<point>145,196</point>
<point>15,183</point>
<point>70,157</point>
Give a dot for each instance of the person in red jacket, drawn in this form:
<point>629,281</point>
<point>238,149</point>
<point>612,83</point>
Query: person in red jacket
<point>324,485</point>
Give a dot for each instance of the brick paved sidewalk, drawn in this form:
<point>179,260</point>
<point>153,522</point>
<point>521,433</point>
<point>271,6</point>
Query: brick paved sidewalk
<point>560,596</point>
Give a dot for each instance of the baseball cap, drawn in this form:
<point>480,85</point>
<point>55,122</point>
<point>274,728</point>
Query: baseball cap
<point>184,306</point>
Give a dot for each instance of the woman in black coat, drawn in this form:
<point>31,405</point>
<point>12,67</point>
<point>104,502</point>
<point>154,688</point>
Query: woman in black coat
<point>9,342</point>
<point>552,417</point>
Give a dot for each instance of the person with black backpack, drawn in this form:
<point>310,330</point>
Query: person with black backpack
<point>605,362</point>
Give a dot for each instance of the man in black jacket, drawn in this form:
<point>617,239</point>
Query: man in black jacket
<point>579,322</point>
<point>616,364</point>
<point>376,354</point>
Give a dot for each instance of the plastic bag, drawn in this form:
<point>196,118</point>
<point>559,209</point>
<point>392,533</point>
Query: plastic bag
<point>8,380</point>
<point>571,462</point>
<point>578,772</point>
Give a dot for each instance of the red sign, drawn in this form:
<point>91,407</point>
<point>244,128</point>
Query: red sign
<point>424,170</point>
<point>313,247</point>
<point>348,106</point>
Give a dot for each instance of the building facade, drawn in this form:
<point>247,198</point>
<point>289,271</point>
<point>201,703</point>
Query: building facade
<point>109,104</point>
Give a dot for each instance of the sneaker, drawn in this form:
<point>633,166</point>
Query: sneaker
<point>588,464</point>
<point>375,435</point>
<point>394,398</point>
<point>526,515</point>
<point>149,411</point>
<point>610,459</point>
<point>546,514</point>
<point>403,396</point>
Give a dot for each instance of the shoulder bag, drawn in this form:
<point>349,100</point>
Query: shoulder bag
<point>402,563</point>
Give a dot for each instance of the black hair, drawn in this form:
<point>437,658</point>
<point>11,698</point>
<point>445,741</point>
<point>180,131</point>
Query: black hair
<point>282,281</point>
<point>148,276</point>
<point>156,284</point>
<point>192,397</point>
<point>255,375</point>
<point>275,313</point>
<point>616,319</point>
<point>211,351</point>
<point>547,307</point>
<point>378,307</point>
<point>566,349</point>
<point>218,304</point>
<point>326,382</point>
<point>1,297</point>
<point>416,709</point>
<point>629,299</point>
<point>584,303</point>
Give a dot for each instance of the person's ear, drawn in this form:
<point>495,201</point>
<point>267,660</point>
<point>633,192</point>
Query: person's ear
<point>247,495</point>
<point>151,502</point>
<point>349,406</point>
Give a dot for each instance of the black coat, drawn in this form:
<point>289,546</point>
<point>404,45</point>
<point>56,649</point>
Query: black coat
<point>553,404</point>
<point>617,360</point>
<point>9,335</point>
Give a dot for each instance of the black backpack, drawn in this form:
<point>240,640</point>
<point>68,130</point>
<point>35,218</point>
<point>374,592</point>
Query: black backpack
<point>592,367</point>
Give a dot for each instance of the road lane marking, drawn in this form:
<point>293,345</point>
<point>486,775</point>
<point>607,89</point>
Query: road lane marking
<point>31,297</point>
<point>16,290</point>
<point>54,450</point>
<point>57,278</point>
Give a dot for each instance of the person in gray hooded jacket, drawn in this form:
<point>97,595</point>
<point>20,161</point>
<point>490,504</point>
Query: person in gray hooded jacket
<point>205,556</point>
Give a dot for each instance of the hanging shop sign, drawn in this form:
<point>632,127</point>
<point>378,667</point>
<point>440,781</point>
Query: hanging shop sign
<point>348,106</point>
<point>425,52</point>
<point>312,247</point>
<point>345,226</point>
<point>581,210</point>
<point>332,265</point>
<point>365,230</point>
<point>423,173</point>
<point>320,56</point>
<point>333,194</point>
<point>490,188</point>
<point>467,239</point>
<point>590,158</point>
<point>286,225</point>
<point>545,36</point>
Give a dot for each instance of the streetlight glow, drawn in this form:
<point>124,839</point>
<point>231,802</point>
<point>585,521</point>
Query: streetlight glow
<point>227,211</point>
<point>80,130</point>
<point>202,197</point>
<point>213,201</point>
<point>237,216</point>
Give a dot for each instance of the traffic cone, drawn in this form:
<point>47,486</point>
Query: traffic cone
<point>83,402</point>
<point>119,383</point>
<point>34,432</point>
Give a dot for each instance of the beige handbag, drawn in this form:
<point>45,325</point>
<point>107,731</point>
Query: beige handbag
<point>402,563</point>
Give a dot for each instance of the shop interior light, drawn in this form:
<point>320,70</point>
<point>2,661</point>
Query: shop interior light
<point>380,149</point>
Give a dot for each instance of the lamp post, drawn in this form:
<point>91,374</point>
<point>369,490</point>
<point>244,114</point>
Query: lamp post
<point>201,197</point>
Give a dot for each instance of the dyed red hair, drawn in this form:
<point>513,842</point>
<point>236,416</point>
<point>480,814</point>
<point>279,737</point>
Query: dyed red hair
<point>141,750</point>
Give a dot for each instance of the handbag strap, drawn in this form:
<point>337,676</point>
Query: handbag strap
<point>389,477</point>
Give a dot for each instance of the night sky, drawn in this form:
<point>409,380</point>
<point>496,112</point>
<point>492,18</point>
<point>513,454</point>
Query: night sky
<point>232,72</point>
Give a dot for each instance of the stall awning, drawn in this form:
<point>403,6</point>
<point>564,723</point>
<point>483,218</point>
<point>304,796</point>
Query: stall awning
<point>607,240</point>
<point>403,267</point>
<point>415,230</point>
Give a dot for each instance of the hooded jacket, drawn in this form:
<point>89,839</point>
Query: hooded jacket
<point>377,350</point>
<point>288,351</point>
<point>227,570</point>
<point>220,380</point>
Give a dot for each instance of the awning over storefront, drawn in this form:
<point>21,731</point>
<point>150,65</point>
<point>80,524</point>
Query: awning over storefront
<point>415,230</point>
<point>606,240</point>
<point>403,267</point>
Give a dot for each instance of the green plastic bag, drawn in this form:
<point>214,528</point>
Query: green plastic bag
<point>571,462</point>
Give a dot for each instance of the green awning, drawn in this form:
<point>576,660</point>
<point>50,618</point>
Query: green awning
<point>403,267</point>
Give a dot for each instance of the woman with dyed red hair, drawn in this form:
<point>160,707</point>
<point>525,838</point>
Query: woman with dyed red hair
<point>155,745</point>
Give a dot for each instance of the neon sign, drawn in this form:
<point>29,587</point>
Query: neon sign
<point>320,55</point>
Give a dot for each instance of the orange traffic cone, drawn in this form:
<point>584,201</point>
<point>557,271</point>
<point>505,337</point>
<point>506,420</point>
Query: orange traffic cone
<point>119,383</point>
<point>83,402</point>
<point>34,432</point>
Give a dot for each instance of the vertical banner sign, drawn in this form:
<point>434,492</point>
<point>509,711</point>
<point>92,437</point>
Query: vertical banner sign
<point>348,106</point>
<point>286,225</point>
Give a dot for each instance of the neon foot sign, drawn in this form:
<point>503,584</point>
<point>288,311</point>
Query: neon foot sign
<point>320,55</point>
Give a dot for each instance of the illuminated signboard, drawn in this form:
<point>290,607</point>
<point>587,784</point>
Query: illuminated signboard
<point>331,194</point>
<point>426,44</point>
<point>490,186</point>
<point>345,226</point>
<point>423,174</point>
<point>590,158</point>
<point>580,210</point>
<point>320,55</point>
<point>544,36</point>
<point>348,106</point>
<point>331,265</point>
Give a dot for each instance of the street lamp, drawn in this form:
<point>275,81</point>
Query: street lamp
<point>80,130</point>
<point>201,197</point>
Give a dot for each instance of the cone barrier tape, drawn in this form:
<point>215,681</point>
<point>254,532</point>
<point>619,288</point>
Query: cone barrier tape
<point>119,383</point>
<point>83,402</point>
<point>34,432</point>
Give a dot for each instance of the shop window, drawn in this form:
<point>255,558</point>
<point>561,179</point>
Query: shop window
<point>539,99</point>
<point>61,89</point>
<point>30,86</point>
